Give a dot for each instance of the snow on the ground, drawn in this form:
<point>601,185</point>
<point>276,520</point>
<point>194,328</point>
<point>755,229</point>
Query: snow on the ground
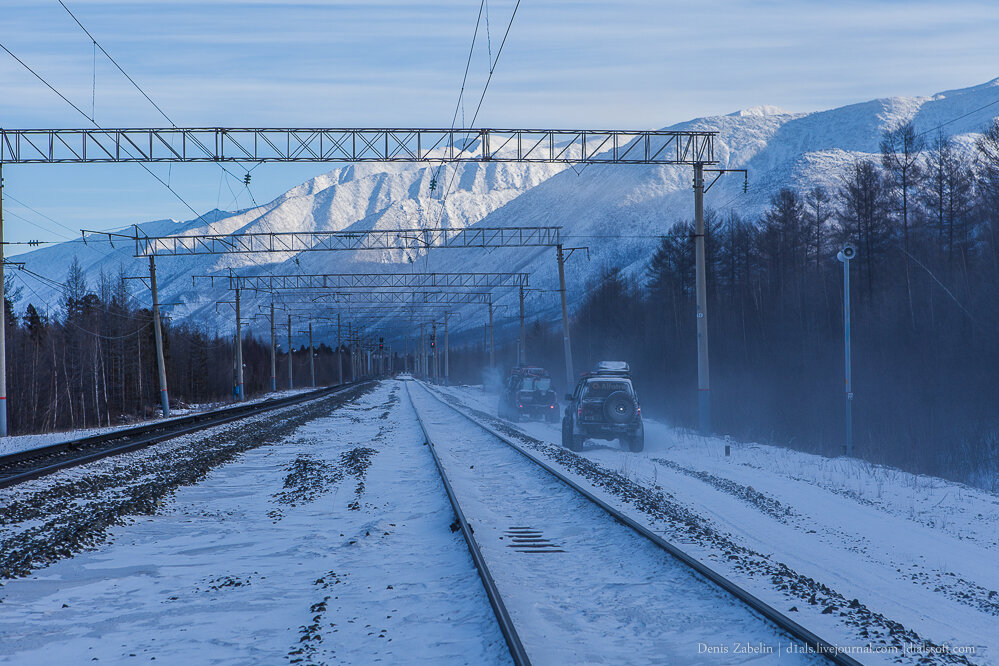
<point>16,443</point>
<point>331,547</point>
<point>594,591</point>
<point>920,550</point>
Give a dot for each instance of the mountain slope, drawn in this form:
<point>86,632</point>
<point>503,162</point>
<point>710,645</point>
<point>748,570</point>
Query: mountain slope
<point>614,210</point>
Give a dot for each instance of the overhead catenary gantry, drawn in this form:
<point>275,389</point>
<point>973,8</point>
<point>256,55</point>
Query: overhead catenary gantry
<point>245,144</point>
<point>373,281</point>
<point>338,145</point>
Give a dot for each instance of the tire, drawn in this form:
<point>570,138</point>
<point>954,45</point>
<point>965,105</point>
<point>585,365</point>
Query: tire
<point>619,407</point>
<point>637,443</point>
<point>552,416</point>
<point>569,440</point>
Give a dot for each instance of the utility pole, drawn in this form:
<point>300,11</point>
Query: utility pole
<point>703,381</point>
<point>570,376</point>
<point>422,364</point>
<point>291,379</point>
<point>239,352</point>
<point>522,348</point>
<point>312,358</point>
<point>339,351</point>
<point>492,349</point>
<point>447,367</point>
<point>273,352</point>
<point>846,255</point>
<point>3,324</point>
<point>433,345</point>
<point>405,355</point>
<point>158,335</point>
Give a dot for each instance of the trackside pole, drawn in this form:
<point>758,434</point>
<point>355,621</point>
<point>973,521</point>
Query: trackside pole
<point>447,367</point>
<point>570,376</point>
<point>239,351</point>
<point>273,352</point>
<point>3,325</point>
<point>522,349</point>
<point>291,380</point>
<point>158,336</point>
<point>312,358</point>
<point>703,381</point>
<point>845,256</point>
<point>492,348</point>
<point>339,351</point>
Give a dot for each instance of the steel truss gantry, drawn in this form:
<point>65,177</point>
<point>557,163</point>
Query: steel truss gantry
<point>317,241</point>
<point>404,298</point>
<point>340,281</point>
<point>318,144</point>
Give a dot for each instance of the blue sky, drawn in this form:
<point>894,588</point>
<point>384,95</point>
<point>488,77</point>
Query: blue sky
<point>617,64</point>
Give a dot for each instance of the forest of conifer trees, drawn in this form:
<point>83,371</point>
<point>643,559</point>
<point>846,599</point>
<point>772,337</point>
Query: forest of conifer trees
<point>92,361</point>
<point>925,290</point>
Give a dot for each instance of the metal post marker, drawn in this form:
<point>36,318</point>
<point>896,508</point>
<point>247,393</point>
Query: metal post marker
<point>239,352</point>
<point>845,256</point>
<point>522,348</point>
<point>570,376</point>
<point>291,380</point>
<point>158,335</point>
<point>447,367</point>
<point>703,380</point>
<point>492,348</point>
<point>273,352</point>
<point>312,358</point>
<point>3,325</point>
<point>339,351</point>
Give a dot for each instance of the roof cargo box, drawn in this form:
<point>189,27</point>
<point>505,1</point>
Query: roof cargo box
<point>613,367</point>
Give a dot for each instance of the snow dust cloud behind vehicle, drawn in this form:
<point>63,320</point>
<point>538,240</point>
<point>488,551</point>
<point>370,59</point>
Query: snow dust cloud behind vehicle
<point>528,392</point>
<point>604,405</point>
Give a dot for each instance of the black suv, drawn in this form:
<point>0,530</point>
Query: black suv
<point>604,406</point>
<point>528,392</point>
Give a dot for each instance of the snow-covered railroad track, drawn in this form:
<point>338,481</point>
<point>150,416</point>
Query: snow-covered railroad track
<point>23,466</point>
<point>583,582</point>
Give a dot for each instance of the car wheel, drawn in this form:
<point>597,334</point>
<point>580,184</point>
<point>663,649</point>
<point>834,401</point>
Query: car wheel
<point>637,443</point>
<point>566,435</point>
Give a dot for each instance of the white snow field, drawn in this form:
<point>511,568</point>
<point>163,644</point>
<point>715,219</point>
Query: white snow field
<point>296,552</point>
<point>919,550</point>
<point>332,542</point>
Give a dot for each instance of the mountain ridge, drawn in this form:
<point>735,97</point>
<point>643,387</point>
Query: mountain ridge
<point>615,210</point>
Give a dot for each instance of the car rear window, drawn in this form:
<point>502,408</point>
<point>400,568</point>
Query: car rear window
<point>603,388</point>
<point>535,384</point>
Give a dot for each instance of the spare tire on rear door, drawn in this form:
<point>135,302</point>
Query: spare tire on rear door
<point>619,407</point>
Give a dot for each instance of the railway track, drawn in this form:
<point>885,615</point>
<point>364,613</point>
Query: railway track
<point>584,582</point>
<point>23,466</point>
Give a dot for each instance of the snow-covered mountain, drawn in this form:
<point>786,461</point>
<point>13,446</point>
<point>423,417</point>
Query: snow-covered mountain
<point>610,209</point>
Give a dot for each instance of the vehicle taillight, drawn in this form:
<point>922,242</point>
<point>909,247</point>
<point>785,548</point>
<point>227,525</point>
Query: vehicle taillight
<point>579,410</point>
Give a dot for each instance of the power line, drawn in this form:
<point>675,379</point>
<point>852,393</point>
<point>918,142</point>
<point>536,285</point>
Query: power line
<point>954,120</point>
<point>97,45</point>
<point>115,63</point>
<point>492,69</point>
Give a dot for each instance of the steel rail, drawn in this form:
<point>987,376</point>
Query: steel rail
<point>507,628</point>
<point>821,646</point>
<point>23,466</point>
